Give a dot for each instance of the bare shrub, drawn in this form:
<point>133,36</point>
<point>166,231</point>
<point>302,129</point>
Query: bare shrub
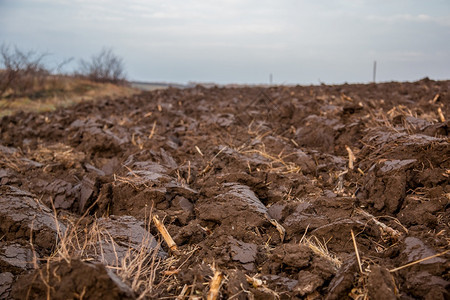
<point>20,71</point>
<point>104,67</point>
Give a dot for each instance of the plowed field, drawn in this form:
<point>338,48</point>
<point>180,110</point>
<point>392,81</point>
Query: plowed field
<point>310,192</point>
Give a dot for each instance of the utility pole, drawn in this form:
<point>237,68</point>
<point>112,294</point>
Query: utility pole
<point>270,78</point>
<point>374,70</point>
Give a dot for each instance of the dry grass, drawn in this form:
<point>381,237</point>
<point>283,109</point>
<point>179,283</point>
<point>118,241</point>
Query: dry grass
<point>277,163</point>
<point>11,159</point>
<point>141,268</point>
<point>356,252</point>
<point>382,118</point>
<point>321,249</point>
<point>61,91</point>
<point>57,153</point>
<point>137,182</point>
<point>418,261</point>
<point>44,156</point>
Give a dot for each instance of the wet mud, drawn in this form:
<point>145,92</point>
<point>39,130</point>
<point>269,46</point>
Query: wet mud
<point>264,184</point>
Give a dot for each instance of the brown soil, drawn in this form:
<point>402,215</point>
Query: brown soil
<point>253,182</point>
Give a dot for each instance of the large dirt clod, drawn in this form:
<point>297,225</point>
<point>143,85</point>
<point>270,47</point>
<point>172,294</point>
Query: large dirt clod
<point>70,280</point>
<point>22,216</point>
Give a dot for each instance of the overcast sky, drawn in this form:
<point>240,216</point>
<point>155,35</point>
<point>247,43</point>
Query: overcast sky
<point>242,41</point>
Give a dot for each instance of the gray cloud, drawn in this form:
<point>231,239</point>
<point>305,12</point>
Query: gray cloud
<point>243,41</point>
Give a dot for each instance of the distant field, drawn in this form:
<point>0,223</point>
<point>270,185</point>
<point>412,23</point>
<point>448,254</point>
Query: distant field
<point>151,86</point>
<point>60,91</point>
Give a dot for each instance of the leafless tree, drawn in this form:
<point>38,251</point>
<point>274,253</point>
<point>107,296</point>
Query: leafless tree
<point>20,71</point>
<point>104,67</point>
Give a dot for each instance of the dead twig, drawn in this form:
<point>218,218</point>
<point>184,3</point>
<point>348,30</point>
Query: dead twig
<point>418,261</point>
<point>255,282</point>
<point>209,165</point>
<point>340,185</point>
<point>183,292</point>
<point>392,232</point>
<point>214,285</point>
<point>165,234</point>
<point>152,132</point>
<point>259,284</point>
<point>441,115</point>
<point>351,157</point>
<point>280,228</point>
<point>436,98</point>
<point>304,234</point>
<point>198,150</point>
<point>357,252</point>
<point>189,173</point>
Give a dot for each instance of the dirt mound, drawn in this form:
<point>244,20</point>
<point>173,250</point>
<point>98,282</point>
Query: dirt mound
<point>259,188</point>
<point>72,279</point>
<point>22,217</point>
